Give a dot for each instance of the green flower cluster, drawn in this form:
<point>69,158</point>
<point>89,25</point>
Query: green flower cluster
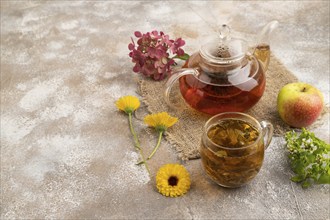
<point>309,158</point>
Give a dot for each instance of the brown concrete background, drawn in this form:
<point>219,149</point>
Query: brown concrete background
<point>66,152</point>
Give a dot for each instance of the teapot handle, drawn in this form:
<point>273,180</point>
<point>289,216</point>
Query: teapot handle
<point>174,77</point>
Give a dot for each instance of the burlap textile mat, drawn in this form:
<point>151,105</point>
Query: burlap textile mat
<point>186,134</point>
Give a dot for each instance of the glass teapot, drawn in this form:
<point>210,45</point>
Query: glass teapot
<point>226,75</point>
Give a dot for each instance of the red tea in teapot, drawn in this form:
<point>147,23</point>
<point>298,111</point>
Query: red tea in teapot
<point>237,90</point>
<point>225,75</point>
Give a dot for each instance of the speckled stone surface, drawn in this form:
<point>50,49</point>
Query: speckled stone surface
<point>66,152</point>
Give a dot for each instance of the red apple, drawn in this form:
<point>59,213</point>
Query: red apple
<point>299,104</point>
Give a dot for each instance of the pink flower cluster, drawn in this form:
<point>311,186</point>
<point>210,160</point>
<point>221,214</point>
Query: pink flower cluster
<point>151,54</point>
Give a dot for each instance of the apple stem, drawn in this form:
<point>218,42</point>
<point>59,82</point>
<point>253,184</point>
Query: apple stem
<point>304,89</point>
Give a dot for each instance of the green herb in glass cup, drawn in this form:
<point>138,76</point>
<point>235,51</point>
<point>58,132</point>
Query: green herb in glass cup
<point>232,148</point>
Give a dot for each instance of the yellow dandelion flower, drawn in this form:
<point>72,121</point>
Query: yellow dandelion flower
<point>160,121</point>
<point>173,180</point>
<point>128,103</point>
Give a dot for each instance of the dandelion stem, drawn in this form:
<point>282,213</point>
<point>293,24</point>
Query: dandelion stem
<point>157,146</point>
<point>136,142</point>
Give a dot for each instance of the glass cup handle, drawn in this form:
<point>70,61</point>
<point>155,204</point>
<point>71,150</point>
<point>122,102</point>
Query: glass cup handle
<point>267,131</point>
<point>174,77</point>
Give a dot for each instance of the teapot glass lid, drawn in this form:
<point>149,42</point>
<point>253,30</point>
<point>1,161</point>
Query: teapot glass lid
<point>224,48</point>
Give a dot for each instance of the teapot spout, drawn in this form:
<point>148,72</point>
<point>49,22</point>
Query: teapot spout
<point>262,46</point>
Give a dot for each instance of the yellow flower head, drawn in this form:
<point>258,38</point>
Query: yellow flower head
<point>128,103</point>
<point>173,180</point>
<point>160,121</point>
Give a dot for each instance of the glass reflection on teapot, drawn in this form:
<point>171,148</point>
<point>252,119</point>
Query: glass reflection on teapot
<point>225,75</point>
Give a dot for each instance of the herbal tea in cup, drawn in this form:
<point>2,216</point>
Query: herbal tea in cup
<point>233,146</point>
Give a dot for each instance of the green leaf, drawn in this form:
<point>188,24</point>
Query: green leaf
<point>318,151</point>
<point>298,166</point>
<point>306,184</point>
<point>324,179</point>
<point>310,158</point>
<point>297,178</point>
<point>185,56</point>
